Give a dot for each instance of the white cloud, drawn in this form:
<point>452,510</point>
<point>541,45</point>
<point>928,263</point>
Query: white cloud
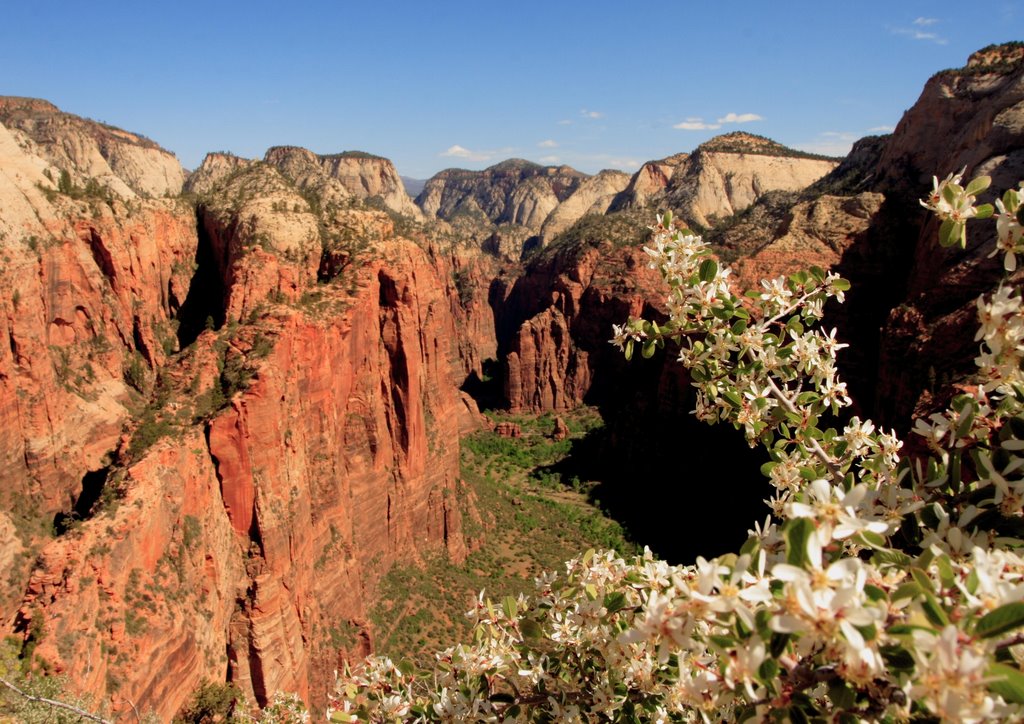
<point>458,151</point>
<point>695,123</point>
<point>916,34</point>
<point>741,118</point>
<point>548,144</point>
<point>591,114</point>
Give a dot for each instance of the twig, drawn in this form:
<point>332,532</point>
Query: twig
<point>816,448</point>
<point>54,703</point>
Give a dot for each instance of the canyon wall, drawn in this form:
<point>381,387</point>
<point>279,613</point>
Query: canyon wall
<point>222,511</point>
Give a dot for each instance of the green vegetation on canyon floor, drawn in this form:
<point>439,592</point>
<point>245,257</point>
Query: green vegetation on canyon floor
<point>528,519</point>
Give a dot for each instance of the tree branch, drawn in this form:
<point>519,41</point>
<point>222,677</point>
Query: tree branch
<point>54,703</point>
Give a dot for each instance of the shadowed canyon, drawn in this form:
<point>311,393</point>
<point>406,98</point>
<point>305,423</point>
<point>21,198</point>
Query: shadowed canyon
<point>232,399</point>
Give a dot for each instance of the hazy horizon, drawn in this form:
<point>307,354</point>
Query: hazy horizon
<point>468,85</point>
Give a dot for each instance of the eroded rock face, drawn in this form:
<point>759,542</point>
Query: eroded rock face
<point>242,547</point>
<point>652,179</point>
<point>727,174</point>
<point>214,169</point>
<point>127,164</point>
<point>594,196</point>
<point>305,440</point>
<point>556,318</point>
<point>92,284</point>
<point>813,233</point>
<point>974,118</point>
<point>514,191</point>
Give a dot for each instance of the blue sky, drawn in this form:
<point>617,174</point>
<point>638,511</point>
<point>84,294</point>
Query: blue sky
<point>433,85</point>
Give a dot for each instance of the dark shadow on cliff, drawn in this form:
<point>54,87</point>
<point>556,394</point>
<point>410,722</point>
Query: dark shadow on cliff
<point>204,305</point>
<point>485,389</point>
<point>678,485</point>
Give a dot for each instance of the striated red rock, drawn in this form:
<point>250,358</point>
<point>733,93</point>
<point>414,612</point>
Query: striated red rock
<point>557,317</point>
<point>340,458</point>
<point>508,429</point>
<point>92,284</point>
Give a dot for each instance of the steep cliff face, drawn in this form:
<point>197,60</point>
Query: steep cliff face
<point>513,191</point>
<point>728,173</point>
<point>594,196</point>
<point>228,507</point>
<point>253,545</point>
<point>972,117</point>
<point>651,180</point>
<point>554,319</point>
<point>369,176</point>
<point>92,284</point>
<point>213,170</point>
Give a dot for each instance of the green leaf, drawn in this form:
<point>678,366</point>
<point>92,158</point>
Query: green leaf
<point>976,186</point>
<point>708,270</point>
<point>615,601</point>
<point>1009,682</point>
<point>949,193</point>
<point>963,425</point>
<point>768,670</point>
<point>946,230</point>
<point>874,593</point>
<point>934,612</point>
<point>531,629</point>
<point>1005,618</point>
<point>777,645</point>
<point>733,398</point>
<point>897,657</point>
<point>872,540</point>
<point>842,696</point>
<point>946,574</point>
<point>798,532</point>
<point>907,590</point>
<point>922,579</point>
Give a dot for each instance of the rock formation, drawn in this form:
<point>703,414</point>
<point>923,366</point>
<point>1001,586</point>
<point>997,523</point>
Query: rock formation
<point>651,180</point>
<point>594,196</point>
<point>223,416</point>
<point>512,191</point>
<point>93,283</point>
<point>231,511</point>
<point>127,164</point>
<point>728,173</point>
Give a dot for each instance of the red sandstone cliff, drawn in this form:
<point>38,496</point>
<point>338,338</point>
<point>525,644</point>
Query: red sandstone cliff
<point>272,470</point>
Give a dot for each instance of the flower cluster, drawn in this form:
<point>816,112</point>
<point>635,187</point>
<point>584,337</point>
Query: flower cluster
<point>881,588</point>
